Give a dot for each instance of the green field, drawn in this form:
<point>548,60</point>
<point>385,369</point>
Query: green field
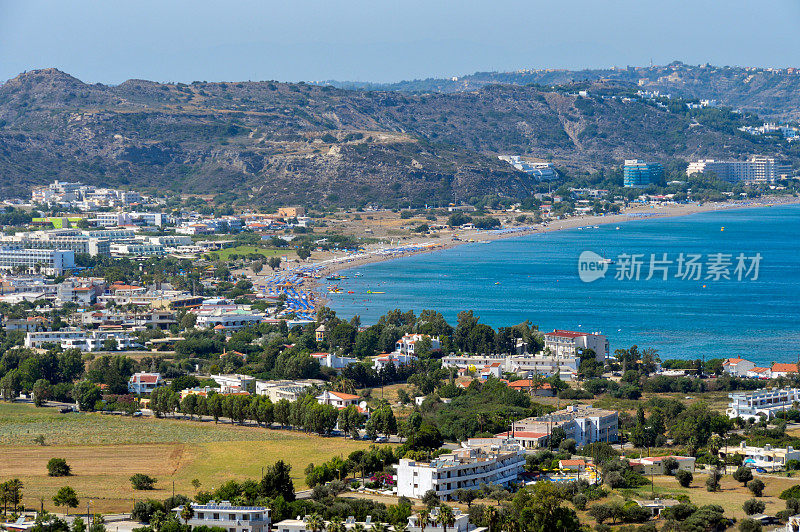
<point>104,451</point>
<point>225,253</point>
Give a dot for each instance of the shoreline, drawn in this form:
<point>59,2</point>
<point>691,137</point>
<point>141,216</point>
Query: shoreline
<point>631,215</point>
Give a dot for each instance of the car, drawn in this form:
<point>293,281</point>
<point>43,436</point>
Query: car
<point>138,413</point>
<point>65,410</point>
<point>381,439</point>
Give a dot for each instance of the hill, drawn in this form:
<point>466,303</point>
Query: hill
<point>269,142</point>
<point>771,93</point>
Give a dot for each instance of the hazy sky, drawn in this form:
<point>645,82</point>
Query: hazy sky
<point>379,40</point>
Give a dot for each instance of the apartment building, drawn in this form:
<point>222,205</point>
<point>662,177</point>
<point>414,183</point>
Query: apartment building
<point>584,424</point>
<point>46,261</point>
<point>228,517</point>
<point>465,468</point>
<point>285,389</point>
<point>80,339</point>
<point>755,170</point>
<point>563,343</point>
<point>406,345</point>
<point>329,360</point>
<point>761,403</point>
<point>59,239</point>
<point>137,249</point>
<point>233,383</point>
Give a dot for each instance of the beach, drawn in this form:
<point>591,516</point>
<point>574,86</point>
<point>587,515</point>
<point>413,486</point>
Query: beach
<point>332,263</point>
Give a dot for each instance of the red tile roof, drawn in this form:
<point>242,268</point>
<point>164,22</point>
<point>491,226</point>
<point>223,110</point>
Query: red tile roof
<point>787,368</point>
<point>528,383</point>
<point>573,462</point>
<point>566,334</point>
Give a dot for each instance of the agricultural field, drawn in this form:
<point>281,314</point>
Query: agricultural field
<point>104,451</point>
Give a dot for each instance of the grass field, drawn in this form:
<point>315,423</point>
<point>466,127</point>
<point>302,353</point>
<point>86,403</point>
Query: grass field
<point>225,253</point>
<point>104,451</point>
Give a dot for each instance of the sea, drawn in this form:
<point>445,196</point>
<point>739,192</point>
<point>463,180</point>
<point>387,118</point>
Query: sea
<point>707,285</point>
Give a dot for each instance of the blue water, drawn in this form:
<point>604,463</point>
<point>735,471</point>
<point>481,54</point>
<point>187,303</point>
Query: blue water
<point>538,281</point>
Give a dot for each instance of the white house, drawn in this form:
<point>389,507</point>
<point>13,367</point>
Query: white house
<point>329,360</point>
<point>584,424</point>
<point>301,525</point>
<point>233,383</point>
<point>465,468</point>
<point>782,370</point>
<point>229,517</point>
<point>338,399</point>
<point>398,359</point>
<point>738,367</point>
<point>406,345</point>
<point>143,383</point>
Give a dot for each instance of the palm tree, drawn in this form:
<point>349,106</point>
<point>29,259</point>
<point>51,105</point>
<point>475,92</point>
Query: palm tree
<point>314,523</point>
<point>424,515</point>
<point>187,512</point>
<point>378,527</point>
<point>336,525</point>
<point>358,527</point>
<point>445,517</point>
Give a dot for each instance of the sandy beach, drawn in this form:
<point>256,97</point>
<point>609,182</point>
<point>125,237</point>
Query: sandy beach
<point>339,262</point>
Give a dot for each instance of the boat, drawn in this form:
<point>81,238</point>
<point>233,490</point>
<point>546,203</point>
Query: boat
<point>374,292</point>
<point>334,278</point>
<point>350,292</point>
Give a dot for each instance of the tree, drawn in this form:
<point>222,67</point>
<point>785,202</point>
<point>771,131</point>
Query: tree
<point>754,506</point>
<point>110,344</point>
<point>445,517</point>
<point>187,512</point>
<point>756,487</point>
<point>424,516</point>
<point>58,467</point>
<point>11,493</point>
<point>303,253</point>
<point>466,496</point>
<point>41,391</point>
<point>684,477</point>
<point>140,481</point>
<point>712,482</point>
<point>67,497</point>
<point>278,481</point>
<point>274,262</point>
<point>540,509</point>
<point>86,394</point>
<point>314,523</point>
<point>430,499</point>
<point>744,475</point>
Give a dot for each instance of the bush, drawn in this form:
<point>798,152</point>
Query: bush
<point>749,525</point>
<point>756,487</point>
<point>140,481</point>
<point>58,467</point>
<point>144,510</point>
<point>712,482</point>
<point>744,475</point>
<point>684,477</point>
<point>753,506</point>
<point>791,493</point>
<point>580,501</point>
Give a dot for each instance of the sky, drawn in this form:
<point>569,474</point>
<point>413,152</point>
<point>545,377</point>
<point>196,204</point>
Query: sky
<point>384,40</point>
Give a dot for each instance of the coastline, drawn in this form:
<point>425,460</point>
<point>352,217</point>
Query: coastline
<point>371,254</point>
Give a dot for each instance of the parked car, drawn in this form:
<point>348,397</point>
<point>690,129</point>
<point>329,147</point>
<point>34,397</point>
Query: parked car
<point>381,439</point>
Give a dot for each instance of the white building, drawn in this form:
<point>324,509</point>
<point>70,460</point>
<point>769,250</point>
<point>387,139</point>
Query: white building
<point>80,339</point>
<point>301,525</point>
<point>229,318</point>
<point>570,343</point>
<point>144,383</point>
<point>285,389</point>
<point>755,170</point>
<point>46,261</point>
<point>584,424</point>
<point>233,383</point>
<point>766,403</point>
<point>465,468</point>
<point>329,360</point>
<point>767,457</point>
<point>654,465</point>
<point>136,249</point>
<point>461,523</point>
<point>738,367</point>
<point>338,399</point>
<point>538,170</point>
<point>406,345</point>
<point>566,367</point>
<point>231,518</point>
<point>398,359</point>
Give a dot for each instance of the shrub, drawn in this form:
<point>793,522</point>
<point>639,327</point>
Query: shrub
<point>712,482</point>
<point>756,487</point>
<point>144,510</point>
<point>744,475</point>
<point>140,481</point>
<point>58,467</point>
<point>580,501</point>
<point>749,525</point>
<point>684,477</point>
<point>791,493</point>
<point>753,506</point>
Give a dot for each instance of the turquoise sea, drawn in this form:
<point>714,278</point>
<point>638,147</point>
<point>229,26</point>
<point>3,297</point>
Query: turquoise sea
<point>535,278</point>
